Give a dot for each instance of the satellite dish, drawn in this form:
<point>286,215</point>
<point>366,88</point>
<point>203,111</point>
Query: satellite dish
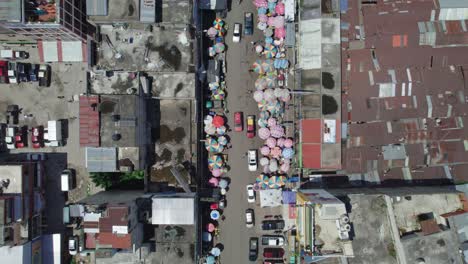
<point>116,137</point>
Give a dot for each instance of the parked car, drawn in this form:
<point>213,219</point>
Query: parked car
<point>272,261</point>
<point>11,54</point>
<point>37,137</point>
<point>10,137</point>
<point>272,224</point>
<point>249,218</point>
<point>250,126</point>
<point>33,73</point>
<point>273,253</point>
<point>250,194</point>
<point>253,248</point>
<point>44,75</point>
<point>73,245</point>
<point>66,180</point>
<point>252,159</point>
<point>22,69</point>
<point>12,75</point>
<point>20,141</point>
<point>238,121</point>
<point>248,24</point>
<point>272,240</point>
<point>12,114</point>
<point>236,33</point>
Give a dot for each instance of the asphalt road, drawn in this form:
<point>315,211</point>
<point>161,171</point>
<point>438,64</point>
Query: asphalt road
<point>234,235</point>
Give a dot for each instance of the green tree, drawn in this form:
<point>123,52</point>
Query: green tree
<point>132,176</point>
<point>103,179</point>
<point>107,180</point>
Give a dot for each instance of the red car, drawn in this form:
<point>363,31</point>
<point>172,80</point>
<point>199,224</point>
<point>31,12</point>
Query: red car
<point>37,137</point>
<point>273,253</point>
<point>19,143</point>
<point>250,126</point>
<point>238,122</point>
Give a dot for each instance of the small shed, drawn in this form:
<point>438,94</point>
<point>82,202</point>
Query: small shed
<point>101,159</point>
<point>173,211</point>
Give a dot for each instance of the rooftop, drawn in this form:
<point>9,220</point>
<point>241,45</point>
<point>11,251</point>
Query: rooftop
<point>10,10</point>
<point>113,11</point>
<point>399,92</point>
<point>173,85</point>
<point>139,48</point>
<point>173,211</point>
<point>12,175</point>
<point>114,82</point>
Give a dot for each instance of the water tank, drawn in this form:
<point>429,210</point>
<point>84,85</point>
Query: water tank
<point>116,137</point>
<point>346,227</point>
<point>344,219</point>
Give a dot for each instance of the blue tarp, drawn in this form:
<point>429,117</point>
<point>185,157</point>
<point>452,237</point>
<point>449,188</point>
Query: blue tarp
<point>289,197</point>
<point>343,6</point>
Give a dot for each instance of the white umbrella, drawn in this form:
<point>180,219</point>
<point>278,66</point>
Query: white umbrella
<point>264,161</point>
<point>269,95</point>
<point>258,48</point>
<point>258,96</point>
<point>273,165</point>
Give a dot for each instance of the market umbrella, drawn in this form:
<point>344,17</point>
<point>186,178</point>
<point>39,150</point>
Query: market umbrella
<point>265,150</point>
<point>258,96</point>
<point>271,7</point>
<point>260,3</point>
<point>280,32</point>
<point>215,215</point>
<point>271,121</point>
<point>277,131</point>
<point>210,260</point>
<point>266,169</point>
<point>258,48</point>
<point>262,18</point>
<point>279,9</point>
<point>260,83</point>
<point>221,130</point>
<point>288,143</point>
<point>273,166</point>
<point>273,1</point>
<point>257,67</point>
<point>218,23</point>
<point>221,33</point>
<point>215,252</point>
<point>282,180</point>
<point>267,66</point>
<point>270,142</point>
<point>278,92</point>
<point>262,122</point>
<point>269,51</point>
<point>268,32</point>
<point>285,167</point>
<point>212,32</point>
<point>268,40</point>
<point>223,183</point>
<point>278,22</point>
<point>210,129</point>
<point>217,172</point>
<point>276,152</point>
<point>262,181</point>
<point>263,133</point>
<point>211,144</point>
<point>206,236</point>
<point>213,85</point>
<point>219,47</point>
<point>264,114</point>
<point>208,119</point>
<point>213,181</point>
<point>218,94</point>
<point>222,140</point>
<point>215,162</point>
<point>288,153</point>
<point>210,227</point>
<point>218,121</point>
<point>211,51</point>
<point>273,183</point>
<point>269,95</point>
<point>262,10</point>
<point>264,161</point>
<point>279,142</point>
<point>262,25</point>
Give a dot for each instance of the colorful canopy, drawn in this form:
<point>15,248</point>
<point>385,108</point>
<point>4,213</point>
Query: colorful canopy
<point>285,167</point>
<point>223,183</point>
<point>279,9</point>
<point>270,50</point>
<point>222,140</point>
<point>262,18</point>
<point>258,48</point>
<point>261,3</point>
<point>262,25</point>
<point>274,182</point>
<point>288,153</point>
<point>269,95</point>
<point>262,10</point>
<point>271,122</point>
<point>218,94</point>
<point>210,129</point>
<point>264,161</point>
<point>213,85</point>
<point>280,32</point>
<point>210,227</point>
<point>288,143</point>
<point>264,114</point>
<point>221,131</point>
<point>279,142</point>
<point>212,32</point>
<point>218,121</point>
<point>276,152</point>
<point>258,96</point>
<point>262,181</point>
<point>216,172</point>
<point>262,122</point>
<point>270,142</point>
<point>268,32</point>
<point>277,131</point>
<point>265,150</point>
<point>257,67</point>
<point>215,214</point>
<point>215,162</point>
<point>219,47</point>
<point>218,23</point>
<point>263,133</point>
<point>213,181</point>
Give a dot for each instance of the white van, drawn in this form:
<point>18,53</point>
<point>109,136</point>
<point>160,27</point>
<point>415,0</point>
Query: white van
<point>66,181</point>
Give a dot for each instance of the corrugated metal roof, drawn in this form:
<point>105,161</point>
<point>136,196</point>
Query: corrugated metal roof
<point>10,10</point>
<point>96,7</point>
<point>147,11</point>
<point>452,4</point>
<point>89,121</point>
<point>213,4</point>
<point>101,159</point>
<point>173,211</point>
<point>290,34</point>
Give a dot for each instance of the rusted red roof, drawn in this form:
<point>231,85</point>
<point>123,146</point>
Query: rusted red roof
<point>90,240</point>
<point>114,240</point>
<point>89,121</point>
<point>114,216</point>
<point>429,227</point>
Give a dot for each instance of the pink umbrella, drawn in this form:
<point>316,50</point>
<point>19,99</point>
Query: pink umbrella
<point>279,9</point>
<point>280,142</point>
<point>288,143</point>
<point>280,32</point>
<point>265,150</point>
<point>213,181</point>
<point>260,3</point>
<point>270,142</point>
<point>217,172</point>
<point>266,169</point>
<point>263,133</point>
<point>258,96</point>
<point>210,227</point>
<point>271,121</point>
<point>212,32</point>
<point>269,95</point>
<point>271,21</point>
<point>285,167</point>
<point>263,18</point>
<point>277,131</point>
<point>278,21</point>
<point>276,152</point>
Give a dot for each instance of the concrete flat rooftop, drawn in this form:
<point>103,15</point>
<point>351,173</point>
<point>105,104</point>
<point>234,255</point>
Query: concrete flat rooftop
<point>119,11</point>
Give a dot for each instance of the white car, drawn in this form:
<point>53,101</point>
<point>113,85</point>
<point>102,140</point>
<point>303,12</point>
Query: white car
<point>236,34</point>
<point>249,218</point>
<point>252,159</point>
<point>250,194</point>
<point>73,245</point>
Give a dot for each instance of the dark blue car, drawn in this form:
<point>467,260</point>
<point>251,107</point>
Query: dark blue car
<point>248,24</point>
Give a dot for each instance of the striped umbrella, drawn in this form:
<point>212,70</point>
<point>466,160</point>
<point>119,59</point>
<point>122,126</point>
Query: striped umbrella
<point>215,162</point>
<point>262,181</point>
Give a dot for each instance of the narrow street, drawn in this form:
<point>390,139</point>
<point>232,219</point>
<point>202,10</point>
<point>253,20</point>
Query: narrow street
<point>234,235</point>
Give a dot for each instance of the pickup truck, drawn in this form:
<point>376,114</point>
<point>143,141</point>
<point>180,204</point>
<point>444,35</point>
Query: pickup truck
<point>272,240</point>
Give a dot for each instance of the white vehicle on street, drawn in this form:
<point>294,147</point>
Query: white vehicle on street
<point>236,34</point>
<point>73,245</point>
<point>250,194</point>
<point>273,241</point>
<point>252,159</point>
<point>249,218</point>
